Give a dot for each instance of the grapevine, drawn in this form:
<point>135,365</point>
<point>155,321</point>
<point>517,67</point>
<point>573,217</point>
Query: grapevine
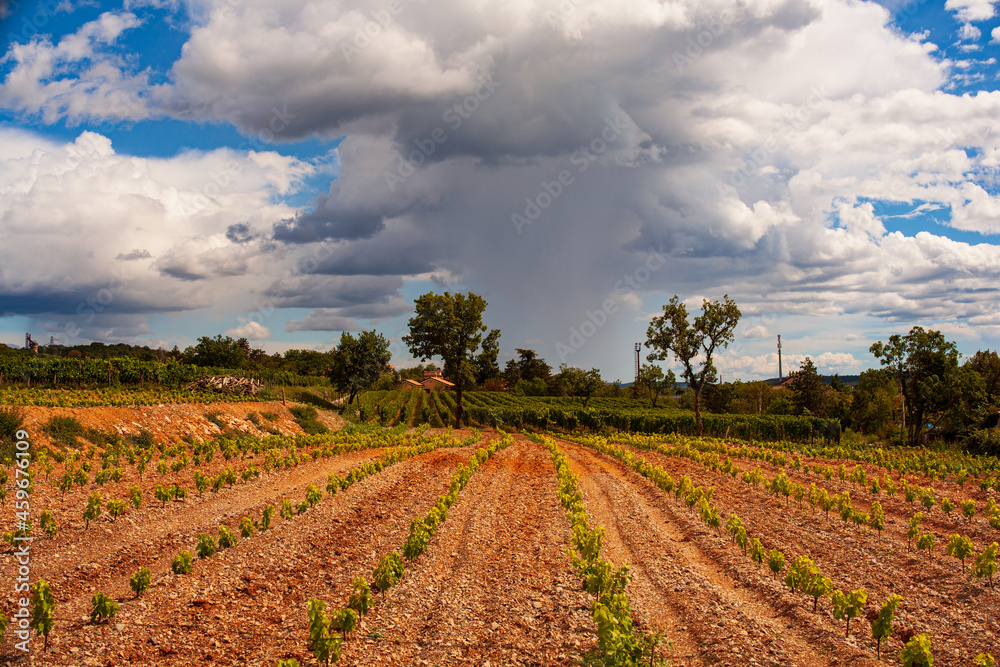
<point>49,524</point>
<point>226,537</point>
<point>206,546</point>
<point>181,563</point>
<point>848,605</point>
<point>776,561</point>
<point>93,509</point>
<point>882,624</point>
<point>986,563</point>
<point>917,652</point>
<point>321,643</point>
<point>103,608</point>
<point>42,610</point>
<point>926,542</point>
<point>140,581</point>
<point>360,599</point>
<point>959,547</point>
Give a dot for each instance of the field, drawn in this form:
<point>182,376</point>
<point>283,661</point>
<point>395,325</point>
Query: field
<point>481,520</point>
<point>501,410</point>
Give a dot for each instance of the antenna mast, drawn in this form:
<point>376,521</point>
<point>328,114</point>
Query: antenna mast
<point>780,376</point>
<point>638,348</point>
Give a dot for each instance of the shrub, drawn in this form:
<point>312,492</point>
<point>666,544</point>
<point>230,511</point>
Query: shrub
<point>984,442</point>
<point>216,419</point>
<point>143,439</point>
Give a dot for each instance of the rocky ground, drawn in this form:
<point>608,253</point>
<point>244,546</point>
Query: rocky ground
<point>495,586</point>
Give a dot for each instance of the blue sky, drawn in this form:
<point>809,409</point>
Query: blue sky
<point>287,170</point>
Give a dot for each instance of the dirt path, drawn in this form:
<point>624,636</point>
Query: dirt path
<point>679,580</point>
<point>495,586</point>
<point>247,604</point>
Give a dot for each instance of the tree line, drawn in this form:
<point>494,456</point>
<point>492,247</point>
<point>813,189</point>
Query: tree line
<point>923,390</point>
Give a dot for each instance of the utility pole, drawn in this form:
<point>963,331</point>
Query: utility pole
<point>780,376</point>
<point>638,348</point>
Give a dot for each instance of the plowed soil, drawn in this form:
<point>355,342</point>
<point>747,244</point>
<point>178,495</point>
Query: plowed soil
<point>495,586</point>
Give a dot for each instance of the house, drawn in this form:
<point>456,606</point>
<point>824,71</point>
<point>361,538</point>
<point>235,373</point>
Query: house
<point>433,381</point>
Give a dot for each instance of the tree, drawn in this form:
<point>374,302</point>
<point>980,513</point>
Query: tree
<point>449,326</point>
<point>579,382</point>
<point>987,364</point>
<point>807,386</point>
<point>532,367</point>
<point>486,360</point>
<point>670,334</point>
<point>221,352</point>
<point>653,382</point>
<point>752,398</point>
<point>923,363</point>
<point>874,401</point>
<point>963,403</point>
<point>718,397</point>
<point>306,362</point>
<point>356,363</point>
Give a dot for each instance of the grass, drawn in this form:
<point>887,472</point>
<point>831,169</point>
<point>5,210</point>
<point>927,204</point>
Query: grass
<point>304,396</point>
<point>65,430</point>
<point>11,419</point>
<point>217,420</point>
<point>143,439</point>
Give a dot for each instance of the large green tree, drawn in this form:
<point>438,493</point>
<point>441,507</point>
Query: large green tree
<point>875,400</point>
<point>356,363</point>
<point>693,343</point>
<point>987,364</point>
<point>486,360</point>
<point>924,364</point>
<point>807,388</point>
<point>449,326</point>
<point>221,352</point>
<point>305,362</point>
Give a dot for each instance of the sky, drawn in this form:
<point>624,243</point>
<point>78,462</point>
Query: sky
<point>286,170</point>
